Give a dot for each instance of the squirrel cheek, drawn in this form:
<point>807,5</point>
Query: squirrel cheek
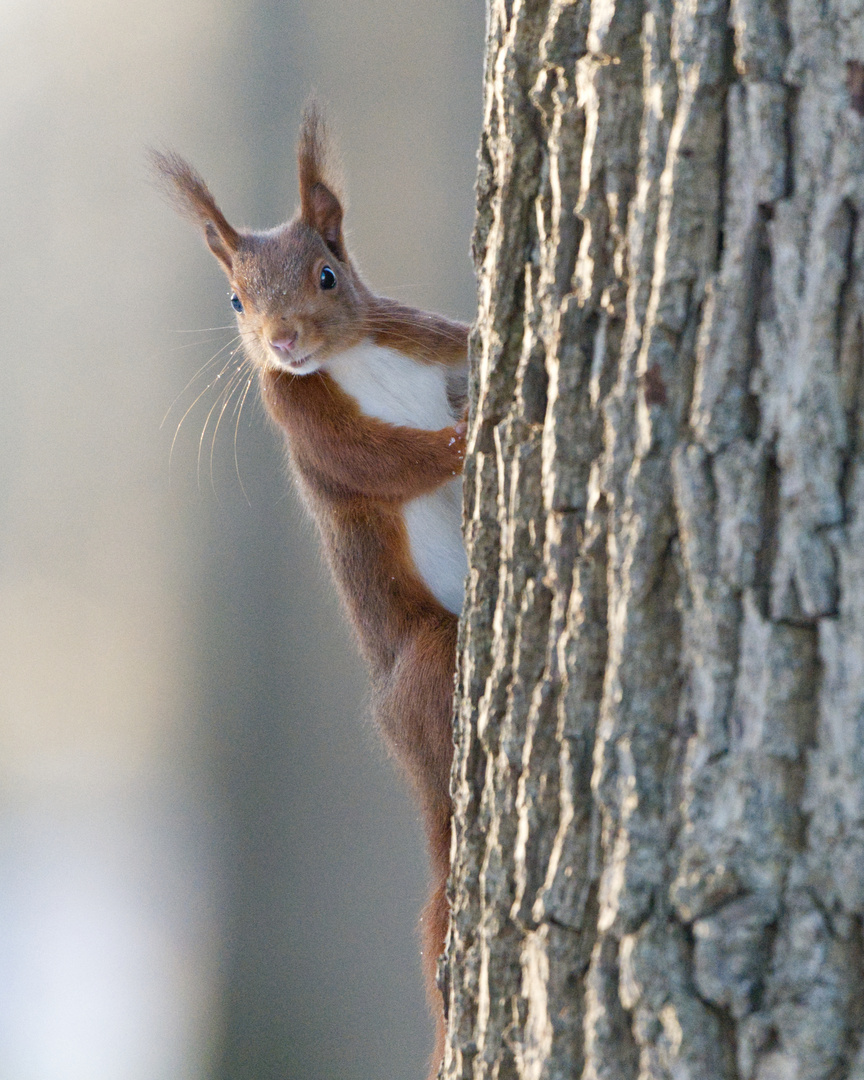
<point>263,354</point>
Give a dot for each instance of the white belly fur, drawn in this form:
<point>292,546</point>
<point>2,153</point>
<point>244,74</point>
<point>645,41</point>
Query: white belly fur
<point>394,388</point>
<point>434,524</point>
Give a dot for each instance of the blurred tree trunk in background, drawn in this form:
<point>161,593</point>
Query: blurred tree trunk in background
<point>659,776</point>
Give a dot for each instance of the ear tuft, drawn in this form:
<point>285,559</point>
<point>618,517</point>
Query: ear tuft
<point>191,197</point>
<point>320,204</point>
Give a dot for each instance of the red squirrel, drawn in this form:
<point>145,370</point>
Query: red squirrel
<point>371,397</point>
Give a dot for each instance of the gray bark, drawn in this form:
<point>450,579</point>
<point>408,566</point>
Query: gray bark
<point>659,775</point>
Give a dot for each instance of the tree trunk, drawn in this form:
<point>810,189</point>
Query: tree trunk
<point>659,771</point>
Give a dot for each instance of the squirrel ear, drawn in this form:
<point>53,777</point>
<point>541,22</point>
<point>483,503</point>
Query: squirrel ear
<point>216,241</point>
<point>192,198</point>
<point>325,217</point>
<point>320,208</point>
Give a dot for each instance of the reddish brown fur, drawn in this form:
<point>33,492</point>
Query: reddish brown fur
<point>421,334</point>
<point>356,473</point>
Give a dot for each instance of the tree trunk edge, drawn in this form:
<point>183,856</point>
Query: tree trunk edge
<point>658,855</point>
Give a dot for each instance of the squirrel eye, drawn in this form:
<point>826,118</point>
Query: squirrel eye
<point>328,278</point>
<point>236,302</point>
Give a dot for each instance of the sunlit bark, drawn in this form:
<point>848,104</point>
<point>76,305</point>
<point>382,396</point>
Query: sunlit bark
<point>659,774</point>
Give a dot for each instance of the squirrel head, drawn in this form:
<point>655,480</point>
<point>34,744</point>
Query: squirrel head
<point>297,295</point>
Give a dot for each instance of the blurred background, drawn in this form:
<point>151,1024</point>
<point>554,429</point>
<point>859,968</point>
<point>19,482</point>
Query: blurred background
<point>208,868</point>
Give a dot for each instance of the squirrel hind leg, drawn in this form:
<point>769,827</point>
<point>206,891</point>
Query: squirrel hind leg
<point>413,708</point>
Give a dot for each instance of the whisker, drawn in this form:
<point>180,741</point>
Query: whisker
<point>189,345</point>
<point>386,328</point>
<point>201,369</point>
<point>387,289</point>
<point>252,373</point>
<point>207,329</point>
<point>384,322</point>
<point>213,408</point>
<point>236,380</point>
<point>191,407</point>
<point>415,346</point>
<point>236,427</point>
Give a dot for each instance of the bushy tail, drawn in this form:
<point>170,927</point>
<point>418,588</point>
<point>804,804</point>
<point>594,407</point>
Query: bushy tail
<point>434,923</point>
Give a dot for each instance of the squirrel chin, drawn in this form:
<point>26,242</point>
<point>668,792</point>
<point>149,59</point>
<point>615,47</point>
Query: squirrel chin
<point>304,366</point>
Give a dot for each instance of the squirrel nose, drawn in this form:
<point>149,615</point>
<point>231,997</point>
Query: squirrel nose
<point>285,344</point>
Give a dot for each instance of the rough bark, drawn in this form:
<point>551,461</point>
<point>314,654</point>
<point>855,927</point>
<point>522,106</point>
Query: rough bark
<point>659,776</point>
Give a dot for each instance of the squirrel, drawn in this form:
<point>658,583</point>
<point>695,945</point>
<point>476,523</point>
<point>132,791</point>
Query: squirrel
<point>371,396</point>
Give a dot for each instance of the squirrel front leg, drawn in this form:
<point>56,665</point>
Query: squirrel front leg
<point>357,453</point>
<point>400,463</point>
